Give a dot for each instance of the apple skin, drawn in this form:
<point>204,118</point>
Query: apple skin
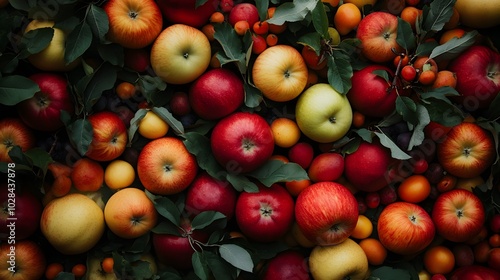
<point>179,104</point>
<point>266,215</point>
<point>467,151</point>
<point>180,54</point>
<point>176,251</point>
<point>302,154</point>
<point>477,82</point>
<point>405,228</point>
<point>28,210</point>
<point>474,272</point>
<point>367,168</point>
<point>323,114</point>
<point>289,264</point>
<point>377,32</point>
<point>14,132</point>
<point>369,92</point>
<point>133,24</point>
<point>186,12</point>
<point>326,212</point>
<point>216,94</point>
<point>43,110</point>
<point>137,59</point>
<point>242,141</point>
<point>29,262</point>
<point>244,11</point>
<point>458,214</point>
<point>109,138</point>
<point>478,14</point>
<point>165,166</point>
<point>327,166</point>
<point>209,194</point>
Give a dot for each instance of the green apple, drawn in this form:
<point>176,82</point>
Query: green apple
<point>323,114</point>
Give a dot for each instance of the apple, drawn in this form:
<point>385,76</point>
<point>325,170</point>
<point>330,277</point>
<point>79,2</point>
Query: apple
<point>119,174</point>
<point>458,214</point>
<point>109,137</point>
<point>152,126</point>
<point>187,11</point>
<point>280,73</point>
<point>377,32</point>
<point>209,194</point>
<point>176,250</point>
<point>244,11</point>
<point>266,215</point>
<point>14,132</point>
<point>180,54</point>
<point>129,213</point>
<point>165,166</point>
<point>478,14</point>
<point>179,103</point>
<point>52,57</point>
<point>405,228</point>
<point>72,224</point>
<point>133,24</point>
<point>87,175</point>
<point>326,212</point>
<point>26,210</point>
<point>347,257</point>
<point>24,260</point>
<point>43,110</point>
<point>137,59</point>
<point>367,168</point>
<point>327,166</point>
<point>302,153</point>
<point>479,83</point>
<point>289,264</point>
<point>216,94</point>
<point>474,271</point>
<point>242,141</point>
<point>467,151</point>
<point>323,114</point>
<point>370,93</point>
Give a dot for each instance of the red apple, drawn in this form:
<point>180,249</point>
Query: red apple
<point>133,24</point>
<point>242,141</point>
<point>209,194</point>
<point>478,79</point>
<point>370,93</point>
<point>13,132</point>
<point>21,212</point>
<point>367,167</point>
<point>326,167</point>
<point>24,260</point>
<point>458,215</point>
<point>289,264</point>
<point>179,104</point>
<point>43,110</point>
<point>216,94</point>
<point>244,11</point>
<point>474,272</point>
<point>467,151</point>
<point>266,215</point>
<point>405,228</point>
<point>176,250</point>
<point>326,212</point>
<point>137,59</point>
<point>302,154</point>
<point>165,166</point>
<point>186,11</point>
<point>494,223</point>
<point>109,137</point>
<point>377,32</point>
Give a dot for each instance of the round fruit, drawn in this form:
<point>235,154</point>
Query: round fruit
<point>151,126</point>
<point>439,260</point>
<point>415,189</point>
<point>119,174</point>
<point>478,13</point>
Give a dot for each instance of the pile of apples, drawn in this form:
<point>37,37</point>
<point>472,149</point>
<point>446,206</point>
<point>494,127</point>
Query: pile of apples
<point>224,139</point>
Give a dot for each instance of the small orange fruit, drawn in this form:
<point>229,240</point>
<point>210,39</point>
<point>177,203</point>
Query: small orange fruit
<point>79,270</point>
<point>241,27</point>
<point>375,252</point>
<point>107,264</point>
<point>217,17</point>
<point>295,187</point>
<point>363,229</point>
<point>286,132</point>
<point>415,188</point>
<point>125,90</point>
<point>439,260</point>
<point>347,18</point>
<point>450,34</point>
<point>52,270</point>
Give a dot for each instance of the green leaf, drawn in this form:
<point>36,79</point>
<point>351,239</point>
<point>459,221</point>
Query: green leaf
<point>167,209</point>
<point>241,183</point>
<point>253,96</point>
<point>134,123</point>
<point>407,108</point>
<point>166,227</point>
<point>454,47</point>
<point>64,275</point>
<point>165,115</point>
<point>365,134</point>
<point>220,269</point>
<point>153,90</point>
<point>425,49</point>
<point>200,3</point>
<point>312,40</point>
<point>8,62</point>
<point>102,79</point>
<point>396,152</point>
<point>20,158</point>
<point>231,44</point>
<point>418,135</point>
<point>200,265</point>
<point>112,53</point>
<point>274,171</point>
<point>199,145</point>
<point>139,244</point>
<point>405,36</point>
<point>441,93</point>
<point>320,19</point>
<point>389,273</point>
<point>262,7</point>
<point>492,111</point>
<point>206,218</point>
<point>444,112</point>
<point>16,88</point>
<point>339,72</point>
<point>35,41</point>
<point>80,134</point>
<point>98,21</point>
<point>237,256</point>
<point>294,11</point>
<point>439,14</point>
<point>77,42</point>
<point>39,158</point>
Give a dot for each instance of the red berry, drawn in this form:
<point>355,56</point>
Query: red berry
<point>408,73</point>
<point>372,200</point>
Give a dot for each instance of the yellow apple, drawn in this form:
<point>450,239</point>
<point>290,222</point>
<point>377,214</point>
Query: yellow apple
<point>346,260</point>
<point>152,126</point>
<point>72,224</point>
<point>479,13</point>
<point>280,73</point>
<point>52,57</point>
<point>119,174</point>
